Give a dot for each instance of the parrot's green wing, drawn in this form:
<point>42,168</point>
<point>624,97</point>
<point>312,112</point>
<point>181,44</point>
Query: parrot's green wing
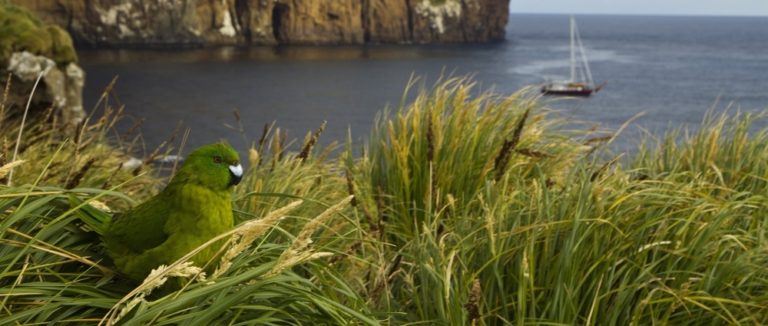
<point>139,229</point>
<point>167,227</point>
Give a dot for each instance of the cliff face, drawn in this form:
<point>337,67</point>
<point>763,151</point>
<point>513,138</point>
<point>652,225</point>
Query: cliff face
<point>263,22</point>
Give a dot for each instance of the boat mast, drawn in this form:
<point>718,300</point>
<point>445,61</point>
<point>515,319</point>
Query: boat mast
<point>587,72</point>
<point>573,50</point>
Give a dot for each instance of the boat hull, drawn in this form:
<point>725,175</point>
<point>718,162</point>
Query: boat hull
<point>573,92</point>
<point>567,90</point>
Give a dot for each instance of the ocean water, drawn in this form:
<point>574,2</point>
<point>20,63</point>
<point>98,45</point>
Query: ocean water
<point>670,69</point>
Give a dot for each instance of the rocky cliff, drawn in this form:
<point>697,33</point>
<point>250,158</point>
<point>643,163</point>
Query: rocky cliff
<point>268,22</point>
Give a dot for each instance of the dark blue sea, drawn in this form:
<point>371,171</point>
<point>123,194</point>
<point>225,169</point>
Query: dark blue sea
<point>671,68</point>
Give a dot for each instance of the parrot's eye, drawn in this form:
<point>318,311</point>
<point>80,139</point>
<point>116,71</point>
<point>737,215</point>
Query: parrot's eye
<point>217,159</point>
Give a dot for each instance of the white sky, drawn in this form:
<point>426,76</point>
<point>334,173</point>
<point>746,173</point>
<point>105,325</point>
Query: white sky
<point>652,7</point>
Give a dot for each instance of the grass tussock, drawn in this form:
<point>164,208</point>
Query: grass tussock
<point>43,151</point>
<point>462,208</point>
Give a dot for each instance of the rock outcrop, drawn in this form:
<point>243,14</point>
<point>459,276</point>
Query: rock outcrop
<point>30,49</point>
<point>267,22</point>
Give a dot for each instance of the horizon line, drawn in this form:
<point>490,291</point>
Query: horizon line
<point>639,14</point>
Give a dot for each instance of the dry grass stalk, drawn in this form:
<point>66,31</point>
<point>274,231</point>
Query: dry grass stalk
<point>598,139</point>
<point>526,266</point>
<point>351,189</point>
<point>310,142</point>
<point>604,167</point>
<point>80,174</point>
<point>473,304</point>
<point>532,153</point>
<point>300,249</point>
<point>264,134</point>
<point>380,207</point>
<point>430,140</point>
<point>134,127</point>
<point>49,248</point>
<point>21,127</point>
<point>387,277</point>
<point>430,161</point>
<point>156,278</point>
<point>6,91</point>
<point>238,125</point>
<point>349,252</point>
<point>184,140</point>
<point>105,94</point>
<point>100,205</point>
<point>108,183</point>
<point>253,157</point>
<point>236,113</point>
<point>248,232</point>
<point>277,148</point>
<point>6,168</point>
<point>500,164</point>
<point>154,154</point>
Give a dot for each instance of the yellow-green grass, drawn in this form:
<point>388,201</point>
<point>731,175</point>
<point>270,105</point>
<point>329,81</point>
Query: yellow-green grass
<point>469,208</point>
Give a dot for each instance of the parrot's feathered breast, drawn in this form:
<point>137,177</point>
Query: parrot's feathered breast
<point>194,207</point>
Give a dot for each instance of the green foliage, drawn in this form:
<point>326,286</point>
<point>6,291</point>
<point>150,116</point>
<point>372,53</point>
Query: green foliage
<point>276,176</point>
<point>22,31</point>
<point>723,153</point>
<point>565,238</point>
<point>439,153</point>
<point>468,209</point>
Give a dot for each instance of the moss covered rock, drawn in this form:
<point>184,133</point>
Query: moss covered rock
<point>22,31</point>
<point>31,49</point>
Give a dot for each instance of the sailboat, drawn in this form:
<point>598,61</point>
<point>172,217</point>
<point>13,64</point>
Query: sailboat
<point>581,83</point>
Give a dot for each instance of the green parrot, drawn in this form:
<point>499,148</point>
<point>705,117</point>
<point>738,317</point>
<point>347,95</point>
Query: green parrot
<point>195,207</point>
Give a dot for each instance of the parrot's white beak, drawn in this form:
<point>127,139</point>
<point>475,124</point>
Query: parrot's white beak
<point>237,170</point>
<point>237,174</point>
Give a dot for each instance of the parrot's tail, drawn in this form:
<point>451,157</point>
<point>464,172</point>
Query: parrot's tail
<point>95,219</point>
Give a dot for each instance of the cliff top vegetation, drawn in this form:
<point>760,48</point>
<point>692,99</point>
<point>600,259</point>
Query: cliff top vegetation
<point>22,31</point>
